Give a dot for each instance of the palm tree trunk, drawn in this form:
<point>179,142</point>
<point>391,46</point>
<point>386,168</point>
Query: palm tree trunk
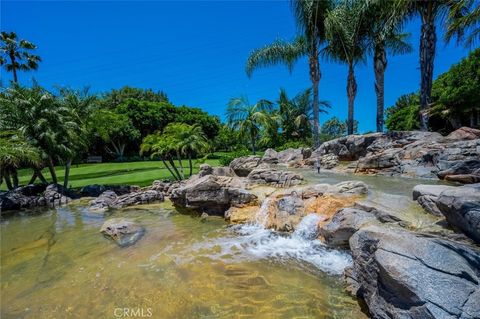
<point>172,163</point>
<point>38,172</point>
<point>252,136</point>
<point>315,76</point>
<point>379,65</point>
<point>14,69</point>
<point>180,164</point>
<point>15,177</point>
<point>168,167</point>
<point>67,173</point>
<point>8,181</point>
<point>428,41</point>
<point>51,168</point>
<point>190,163</point>
<point>351,93</point>
<point>33,178</point>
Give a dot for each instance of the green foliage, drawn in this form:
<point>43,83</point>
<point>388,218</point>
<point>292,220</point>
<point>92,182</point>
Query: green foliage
<point>227,139</point>
<point>116,97</point>
<point>293,144</point>
<point>403,116</point>
<point>226,159</point>
<point>15,54</point>
<point>334,128</point>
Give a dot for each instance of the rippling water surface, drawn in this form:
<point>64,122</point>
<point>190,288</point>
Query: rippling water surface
<point>56,264</point>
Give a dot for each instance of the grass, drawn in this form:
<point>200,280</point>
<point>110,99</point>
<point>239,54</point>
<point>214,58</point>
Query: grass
<point>132,173</point>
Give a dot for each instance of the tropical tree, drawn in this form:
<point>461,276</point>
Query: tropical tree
<point>15,54</point>
<point>384,36</point>
<point>15,152</point>
<point>296,114</point>
<point>249,119</point>
<point>430,11</point>
<point>462,24</point>
<point>346,31</point>
<point>310,16</point>
<point>162,146</point>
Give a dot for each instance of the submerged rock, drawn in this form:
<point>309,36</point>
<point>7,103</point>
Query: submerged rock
<point>401,274</point>
<point>123,231</point>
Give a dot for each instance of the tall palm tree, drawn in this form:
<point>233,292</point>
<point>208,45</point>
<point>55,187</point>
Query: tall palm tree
<point>248,119</point>
<point>192,142</point>
<point>161,145</point>
<point>384,36</point>
<point>462,23</point>
<point>310,16</point>
<point>430,11</point>
<point>346,30</point>
<point>18,53</point>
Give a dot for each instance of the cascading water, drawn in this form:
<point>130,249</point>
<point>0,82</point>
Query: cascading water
<point>253,242</point>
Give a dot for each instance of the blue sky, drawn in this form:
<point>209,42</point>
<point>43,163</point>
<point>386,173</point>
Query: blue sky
<point>194,51</point>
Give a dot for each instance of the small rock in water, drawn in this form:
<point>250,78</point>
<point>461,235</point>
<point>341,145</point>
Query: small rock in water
<point>123,231</point>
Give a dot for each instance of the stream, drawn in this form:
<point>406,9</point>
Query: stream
<point>56,264</point>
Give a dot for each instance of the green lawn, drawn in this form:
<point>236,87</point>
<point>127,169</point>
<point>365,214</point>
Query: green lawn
<point>132,173</point>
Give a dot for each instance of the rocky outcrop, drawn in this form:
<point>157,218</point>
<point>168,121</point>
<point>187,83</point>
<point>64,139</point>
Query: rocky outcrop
<point>109,199</point>
<point>401,274</point>
<point>461,208</point>
<point>426,196</point>
<point>212,194</point>
<point>455,157</point>
<point>274,177</point>
<point>284,211</point>
<point>290,157</point>
<point>242,166</point>
<point>123,231</point>
<point>32,196</point>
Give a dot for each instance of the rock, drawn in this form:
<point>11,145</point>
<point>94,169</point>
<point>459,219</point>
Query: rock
<point>460,167</point>
<point>274,177</point>
<point>282,213</point>
<point>242,166</point>
<point>401,274</point>
<point>109,199</point>
<point>464,178</point>
<point>430,190</point>
<point>205,169</point>
<point>327,161</point>
<point>32,189</point>
<point>352,187</point>
<point>270,156</point>
<point>105,200</point>
<point>123,231</point>
<point>461,208</point>
<point>223,171</point>
<point>56,195</point>
<point>350,147</point>
<point>96,190</point>
<point>212,194</point>
<point>343,225</point>
<point>428,203</point>
<point>290,156</point>
<point>346,187</point>
<point>464,133</point>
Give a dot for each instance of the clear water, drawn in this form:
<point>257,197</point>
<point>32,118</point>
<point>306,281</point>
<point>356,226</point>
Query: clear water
<point>56,264</point>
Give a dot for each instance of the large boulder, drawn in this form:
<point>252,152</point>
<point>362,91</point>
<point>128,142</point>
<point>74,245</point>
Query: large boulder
<point>274,177</point>
<point>427,195</point>
<point>327,161</point>
<point>401,274</point>
<point>212,194</point>
<point>123,231</point>
<point>270,156</point>
<point>96,190</point>
<point>461,207</point>
<point>350,147</point>
<point>242,166</point>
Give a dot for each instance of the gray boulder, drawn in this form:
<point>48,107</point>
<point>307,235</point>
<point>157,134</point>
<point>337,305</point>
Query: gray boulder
<point>123,231</point>
<point>242,166</point>
<point>274,177</point>
<point>461,208</point>
<point>427,195</point>
<point>401,274</point>
<point>212,194</point>
<point>109,199</point>
<point>270,156</point>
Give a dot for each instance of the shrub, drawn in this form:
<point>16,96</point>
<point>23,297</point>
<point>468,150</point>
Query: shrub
<point>226,159</point>
<point>293,144</point>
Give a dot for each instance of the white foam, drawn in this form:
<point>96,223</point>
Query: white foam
<point>253,242</point>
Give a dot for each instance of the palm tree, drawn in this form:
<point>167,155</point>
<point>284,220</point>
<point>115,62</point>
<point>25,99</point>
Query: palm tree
<point>346,30</point>
<point>385,35</point>
<point>193,141</point>
<point>310,16</point>
<point>461,23</point>
<point>248,119</point>
<point>161,145</point>
<point>18,54</point>
<point>15,152</point>
<point>296,114</point>
<point>430,11</point>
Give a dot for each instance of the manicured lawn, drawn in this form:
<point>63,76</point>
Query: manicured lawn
<point>133,173</point>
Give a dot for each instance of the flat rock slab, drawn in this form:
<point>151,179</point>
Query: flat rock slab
<point>430,190</point>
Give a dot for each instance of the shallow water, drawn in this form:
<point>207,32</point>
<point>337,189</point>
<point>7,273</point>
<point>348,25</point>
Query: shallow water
<point>56,264</point>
